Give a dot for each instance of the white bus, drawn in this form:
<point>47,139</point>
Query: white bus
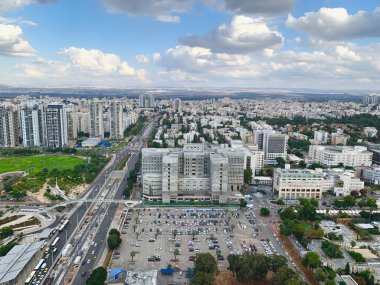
<point>39,264</point>
<point>55,242</point>
<point>28,281</point>
<point>64,224</point>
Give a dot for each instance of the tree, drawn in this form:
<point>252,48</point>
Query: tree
<point>232,228</point>
<point>347,269</point>
<point>265,212</point>
<point>6,232</point>
<point>193,234</point>
<point>302,164</point>
<point>281,161</point>
<point>277,261</point>
<point>243,203</point>
<point>205,262</point>
<point>285,276</point>
<point>202,278</point>
<point>353,243</point>
<point>332,250</point>
<point>175,233</point>
<point>311,260</point>
<point>134,228</point>
<point>133,254</point>
<point>248,176</point>
<point>114,239</point>
<point>97,277</point>
<point>320,275</point>
<point>176,253</point>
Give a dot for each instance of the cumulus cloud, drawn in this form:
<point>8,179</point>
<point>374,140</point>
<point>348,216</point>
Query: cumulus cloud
<point>13,43</point>
<point>83,64</point>
<point>11,5</point>
<point>261,7</point>
<point>337,24</point>
<point>335,66</point>
<point>242,35</point>
<point>161,9</point>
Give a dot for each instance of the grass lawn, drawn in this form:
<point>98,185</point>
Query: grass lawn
<point>33,164</point>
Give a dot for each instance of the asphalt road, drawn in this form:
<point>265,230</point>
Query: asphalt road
<point>69,230</point>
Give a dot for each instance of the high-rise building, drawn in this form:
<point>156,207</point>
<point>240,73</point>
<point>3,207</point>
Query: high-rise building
<point>96,119</point>
<point>272,143</point>
<point>84,122</point>
<point>146,101</point>
<point>9,127</point>
<point>72,124</point>
<point>56,126</point>
<point>116,120</point>
<point>196,173</point>
<point>177,104</point>
<point>371,99</point>
<point>32,121</point>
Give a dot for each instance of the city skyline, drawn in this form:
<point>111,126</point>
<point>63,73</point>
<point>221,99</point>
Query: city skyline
<point>239,44</point>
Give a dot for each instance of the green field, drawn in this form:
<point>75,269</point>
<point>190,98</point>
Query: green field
<point>34,164</point>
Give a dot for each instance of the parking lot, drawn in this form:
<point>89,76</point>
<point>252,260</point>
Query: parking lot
<point>155,234</point>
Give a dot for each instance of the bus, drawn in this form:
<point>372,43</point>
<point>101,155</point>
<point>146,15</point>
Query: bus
<point>39,264</point>
<point>55,242</point>
<point>28,281</point>
<point>64,224</point>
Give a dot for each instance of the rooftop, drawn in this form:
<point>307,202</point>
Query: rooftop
<point>14,262</point>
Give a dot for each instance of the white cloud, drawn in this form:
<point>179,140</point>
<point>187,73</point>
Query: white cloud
<point>142,58</point>
<point>168,19</point>
<point>11,5</point>
<point>83,66</point>
<point>13,43</point>
<point>242,35</point>
<point>337,24</point>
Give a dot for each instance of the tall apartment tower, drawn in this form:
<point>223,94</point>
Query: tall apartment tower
<point>96,120</point>
<point>177,104</point>
<point>146,101</point>
<point>32,121</point>
<point>9,130</point>
<point>56,126</point>
<point>116,120</point>
<point>72,124</point>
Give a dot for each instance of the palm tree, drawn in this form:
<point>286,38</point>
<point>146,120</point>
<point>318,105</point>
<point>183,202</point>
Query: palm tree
<point>137,235</point>
<point>136,220</point>
<point>133,254</point>
<point>193,233</point>
<point>232,227</point>
<point>176,253</point>
<point>134,228</point>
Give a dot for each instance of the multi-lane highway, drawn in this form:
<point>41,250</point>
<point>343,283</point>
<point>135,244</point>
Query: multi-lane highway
<point>77,212</point>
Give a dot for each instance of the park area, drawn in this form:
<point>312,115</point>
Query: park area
<point>37,163</point>
<point>71,173</point>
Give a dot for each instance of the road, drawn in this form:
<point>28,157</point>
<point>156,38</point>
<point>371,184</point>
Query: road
<point>78,212</point>
<point>99,241</point>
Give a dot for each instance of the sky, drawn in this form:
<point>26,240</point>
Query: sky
<point>318,44</point>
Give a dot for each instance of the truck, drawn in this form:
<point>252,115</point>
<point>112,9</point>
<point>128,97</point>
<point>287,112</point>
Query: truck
<point>77,260</point>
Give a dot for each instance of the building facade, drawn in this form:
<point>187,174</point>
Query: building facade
<point>334,155</point>
<point>96,120</point>
<point>9,127</point>
<point>56,126</point>
<point>116,120</point>
<point>198,172</point>
<point>293,184</point>
<point>32,121</point>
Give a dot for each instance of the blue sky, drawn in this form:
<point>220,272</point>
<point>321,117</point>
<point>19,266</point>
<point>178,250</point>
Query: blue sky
<point>331,44</point>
